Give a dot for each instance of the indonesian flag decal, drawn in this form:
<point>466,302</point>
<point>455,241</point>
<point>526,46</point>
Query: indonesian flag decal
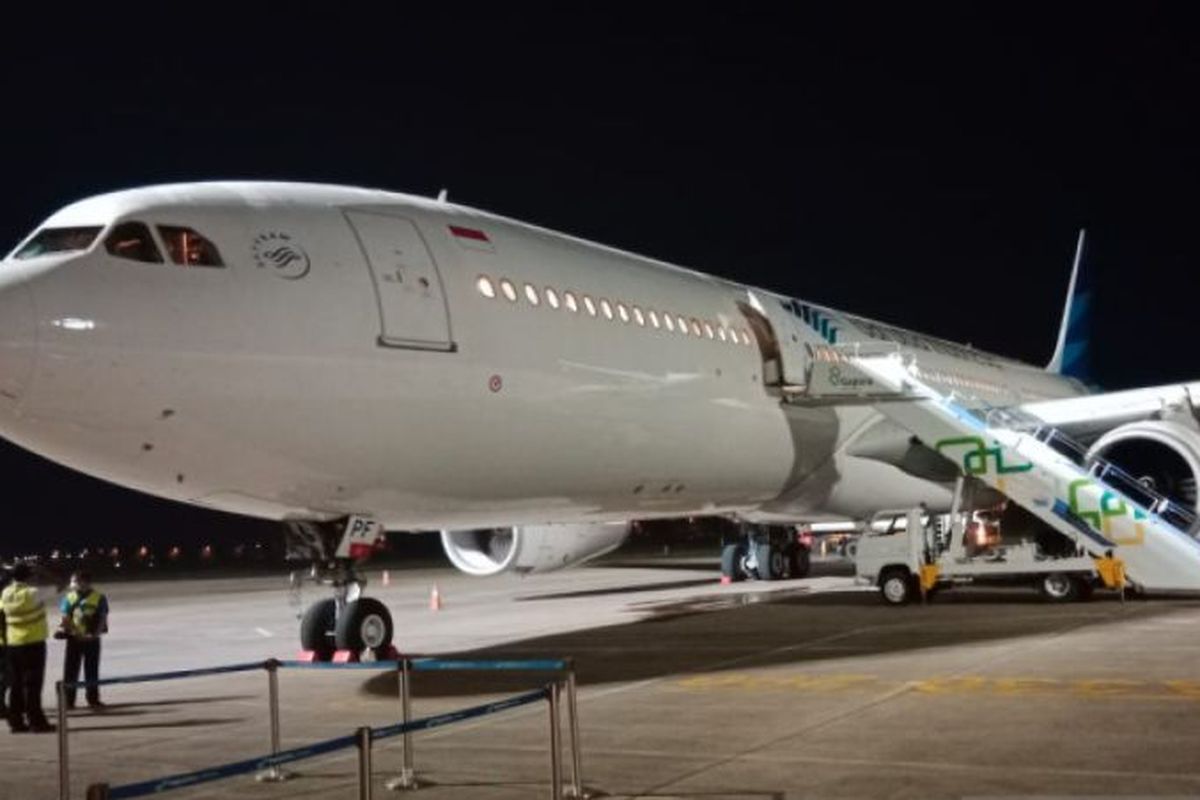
<point>472,238</point>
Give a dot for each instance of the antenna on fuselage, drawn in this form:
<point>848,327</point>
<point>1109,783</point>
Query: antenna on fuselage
<point>443,195</point>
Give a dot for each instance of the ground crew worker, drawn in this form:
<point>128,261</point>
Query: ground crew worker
<point>3,651</point>
<point>26,632</point>
<point>84,620</point>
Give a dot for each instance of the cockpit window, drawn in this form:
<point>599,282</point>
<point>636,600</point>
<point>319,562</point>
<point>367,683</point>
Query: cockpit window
<point>189,248</point>
<point>58,240</point>
<point>132,240</point>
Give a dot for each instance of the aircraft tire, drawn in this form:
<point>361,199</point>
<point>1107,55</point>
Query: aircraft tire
<point>731,561</point>
<point>768,557</point>
<point>316,628</point>
<point>801,561</point>
<point>365,624</point>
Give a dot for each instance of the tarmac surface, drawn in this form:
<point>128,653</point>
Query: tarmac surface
<point>687,689</point>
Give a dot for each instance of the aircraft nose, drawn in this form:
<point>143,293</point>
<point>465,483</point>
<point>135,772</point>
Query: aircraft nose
<point>18,345</point>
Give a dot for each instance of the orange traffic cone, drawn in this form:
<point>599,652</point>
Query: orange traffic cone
<point>435,599</point>
<point>387,578</point>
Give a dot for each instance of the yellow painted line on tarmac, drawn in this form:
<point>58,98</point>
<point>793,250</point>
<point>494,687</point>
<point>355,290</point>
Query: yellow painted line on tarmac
<point>1003,686</point>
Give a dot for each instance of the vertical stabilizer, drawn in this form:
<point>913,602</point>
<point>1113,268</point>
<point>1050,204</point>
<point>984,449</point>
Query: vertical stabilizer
<point>1071,356</point>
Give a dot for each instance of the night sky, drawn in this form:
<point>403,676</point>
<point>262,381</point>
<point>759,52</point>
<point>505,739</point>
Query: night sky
<point>929,170</point>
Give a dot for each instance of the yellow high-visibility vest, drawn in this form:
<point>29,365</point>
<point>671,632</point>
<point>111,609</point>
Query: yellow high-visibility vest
<point>1112,572</point>
<point>24,615</point>
<point>83,611</point>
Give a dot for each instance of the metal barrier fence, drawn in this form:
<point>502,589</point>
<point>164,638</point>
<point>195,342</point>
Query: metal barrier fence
<point>268,766</point>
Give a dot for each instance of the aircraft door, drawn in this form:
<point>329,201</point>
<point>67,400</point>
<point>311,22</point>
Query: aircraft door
<point>412,301</point>
<point>785,359</point>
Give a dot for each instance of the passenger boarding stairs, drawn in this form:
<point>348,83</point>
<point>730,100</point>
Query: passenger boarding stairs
<point>1094,503</point>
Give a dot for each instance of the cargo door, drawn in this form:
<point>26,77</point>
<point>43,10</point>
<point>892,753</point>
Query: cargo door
<point>413,311</point>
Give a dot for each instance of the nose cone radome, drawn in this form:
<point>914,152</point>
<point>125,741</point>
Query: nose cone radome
<point>17,343</point>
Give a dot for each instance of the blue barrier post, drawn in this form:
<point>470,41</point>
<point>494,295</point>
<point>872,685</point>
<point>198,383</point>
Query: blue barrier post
<point>363,736</point>
<point>64,767</point>
<point>273,774</point>
<point>555,744</point>
<point>408,777</point>
<point>573,724</point>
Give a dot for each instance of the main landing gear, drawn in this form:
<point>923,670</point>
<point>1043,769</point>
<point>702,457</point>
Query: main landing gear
<point>347,622</point>
<point>765,552</point>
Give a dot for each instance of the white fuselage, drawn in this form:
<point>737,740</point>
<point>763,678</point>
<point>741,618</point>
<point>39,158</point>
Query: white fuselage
<point>345,360</point>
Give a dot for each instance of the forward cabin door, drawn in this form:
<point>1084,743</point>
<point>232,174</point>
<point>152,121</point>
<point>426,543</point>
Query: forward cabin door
<point>781,342</point>
<point>412,301</point>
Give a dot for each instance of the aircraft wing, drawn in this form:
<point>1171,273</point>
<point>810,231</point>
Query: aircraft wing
<point>1089,417</point>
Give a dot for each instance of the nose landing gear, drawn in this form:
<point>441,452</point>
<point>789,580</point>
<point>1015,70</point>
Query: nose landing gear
<point>347,623</point>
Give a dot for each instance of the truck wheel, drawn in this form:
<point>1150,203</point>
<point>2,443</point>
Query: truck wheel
<point>731,561</point>
<point>1059,588</point>
<point>896,586</point>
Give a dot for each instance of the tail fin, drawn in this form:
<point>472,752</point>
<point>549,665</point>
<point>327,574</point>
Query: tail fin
<point>1071,356</point>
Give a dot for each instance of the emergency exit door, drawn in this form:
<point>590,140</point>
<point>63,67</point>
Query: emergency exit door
<point>412,302</point>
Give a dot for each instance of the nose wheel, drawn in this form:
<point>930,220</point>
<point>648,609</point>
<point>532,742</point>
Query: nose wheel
<point>364,624</point>
<point>317,629</point>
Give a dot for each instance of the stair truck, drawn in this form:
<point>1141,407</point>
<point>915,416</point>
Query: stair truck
<point>916,555</point>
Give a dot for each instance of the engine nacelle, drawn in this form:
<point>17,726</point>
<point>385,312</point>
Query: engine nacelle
<point>531,548</point>
<point>1164,456</point>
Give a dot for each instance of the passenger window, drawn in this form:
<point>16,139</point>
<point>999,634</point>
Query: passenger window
<point>189,248</point>
<point>531,294</point>
<point>132,240</point>
<point>570,302</point>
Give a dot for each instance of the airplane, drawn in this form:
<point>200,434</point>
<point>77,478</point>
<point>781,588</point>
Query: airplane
<point>350,361</point>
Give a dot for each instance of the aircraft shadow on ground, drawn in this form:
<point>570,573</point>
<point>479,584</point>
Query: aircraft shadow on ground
<point>819,568</point>
<point>749,630</point>
<point>634,589</point>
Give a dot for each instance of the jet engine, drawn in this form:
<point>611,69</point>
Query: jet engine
<point>1162,455</point>
<point>527,549</point>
